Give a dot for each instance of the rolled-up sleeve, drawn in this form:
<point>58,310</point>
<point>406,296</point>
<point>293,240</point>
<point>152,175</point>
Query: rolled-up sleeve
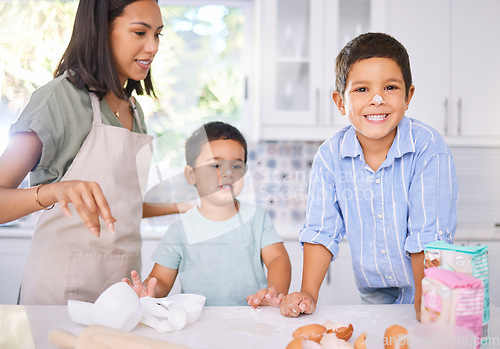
<point>324,223</point>
<point>432,203</point>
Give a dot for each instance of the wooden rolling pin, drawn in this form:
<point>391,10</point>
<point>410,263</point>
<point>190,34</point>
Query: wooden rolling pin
<point>102,337</point>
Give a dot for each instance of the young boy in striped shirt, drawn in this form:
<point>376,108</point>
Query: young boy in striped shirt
<point>386,183</point>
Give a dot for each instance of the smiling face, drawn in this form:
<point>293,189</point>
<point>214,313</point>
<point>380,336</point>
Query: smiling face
<point>374,100</point>
<point>218,172</point>
<point>134,39</point>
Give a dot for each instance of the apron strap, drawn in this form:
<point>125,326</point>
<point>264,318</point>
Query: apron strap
<point>96,108</point>
<point>134,112</point>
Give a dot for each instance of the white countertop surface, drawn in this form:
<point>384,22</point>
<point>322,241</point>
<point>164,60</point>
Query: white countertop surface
<point>222,327</point>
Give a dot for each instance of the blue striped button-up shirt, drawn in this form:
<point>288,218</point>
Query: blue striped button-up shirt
<point>386,214</point>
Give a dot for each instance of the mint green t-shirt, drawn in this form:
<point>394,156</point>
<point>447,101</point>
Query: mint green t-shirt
<point>61,115</point>
<point>220,260</point>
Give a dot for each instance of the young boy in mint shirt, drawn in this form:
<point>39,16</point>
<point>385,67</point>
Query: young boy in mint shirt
<point>220,247</point>
<point>386,183</point>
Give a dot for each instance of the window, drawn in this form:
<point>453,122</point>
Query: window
<point>200,72</point>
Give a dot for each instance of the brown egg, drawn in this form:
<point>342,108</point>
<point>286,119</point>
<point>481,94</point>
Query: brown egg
<point>301,343</point>
<point>312,332</point>
<point>331,341</point>
<point>296,343</point>
<point>342,331</point>
<point>359,343</point>
<point>395,335</point>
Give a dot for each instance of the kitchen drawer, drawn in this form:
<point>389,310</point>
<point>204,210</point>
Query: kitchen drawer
<point>13,255</point>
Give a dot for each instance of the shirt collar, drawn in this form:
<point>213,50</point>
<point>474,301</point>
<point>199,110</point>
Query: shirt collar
<point>403,142</point>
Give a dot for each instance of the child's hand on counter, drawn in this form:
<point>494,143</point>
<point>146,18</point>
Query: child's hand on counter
<point>142,290</point>
<point>266,296</point>
<point>297,303</point>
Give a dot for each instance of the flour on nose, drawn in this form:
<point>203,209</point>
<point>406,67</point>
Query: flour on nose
<point>378,99</point>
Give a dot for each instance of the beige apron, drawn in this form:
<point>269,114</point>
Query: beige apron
<point>66,261</point>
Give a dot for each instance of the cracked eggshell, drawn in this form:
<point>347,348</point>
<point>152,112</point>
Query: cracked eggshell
<point>396,337</point>
<point>331,341</point>
<point>312,332</point>
<point>301,343</point>
<point>360,343</point>
<point>341,330</point>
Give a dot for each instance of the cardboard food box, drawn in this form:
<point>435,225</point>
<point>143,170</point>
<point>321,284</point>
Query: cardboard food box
<point>454,298</point>
<point>469,260</point>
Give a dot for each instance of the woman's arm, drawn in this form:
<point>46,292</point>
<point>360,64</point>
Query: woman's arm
<point>154,210</point>
<point>22,154</point>
<point>20,157</point>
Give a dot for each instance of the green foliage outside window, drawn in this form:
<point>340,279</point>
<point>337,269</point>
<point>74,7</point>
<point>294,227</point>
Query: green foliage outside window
<point>197,72</point>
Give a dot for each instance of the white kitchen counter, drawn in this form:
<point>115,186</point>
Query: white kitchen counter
<point>338,286</point>
<point>222,327</point>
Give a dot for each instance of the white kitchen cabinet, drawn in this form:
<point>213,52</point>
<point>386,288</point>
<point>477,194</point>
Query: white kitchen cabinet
<point>453,48</point>
<point>338,286</point>
<point>13,254</point>
<point>299,41</point>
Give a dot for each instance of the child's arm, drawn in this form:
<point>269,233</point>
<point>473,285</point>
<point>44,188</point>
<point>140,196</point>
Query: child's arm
<point>317,259</point>
<point>158,284</point>
<point>165,278</point>
<point>417,264</point>
<point>279,269</point>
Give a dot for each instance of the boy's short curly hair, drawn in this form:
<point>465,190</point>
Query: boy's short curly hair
<point>209,132</point>
<point>370,45</point>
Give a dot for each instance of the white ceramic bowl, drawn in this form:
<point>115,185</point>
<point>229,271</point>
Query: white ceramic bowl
<point>191,302</point>
<point>193,310</point>
<point>188,297</point>
<point>80,312</point>
<point>117,307</point>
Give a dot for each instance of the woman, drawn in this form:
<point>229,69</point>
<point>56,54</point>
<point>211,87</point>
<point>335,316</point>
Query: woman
<point>83,136</point>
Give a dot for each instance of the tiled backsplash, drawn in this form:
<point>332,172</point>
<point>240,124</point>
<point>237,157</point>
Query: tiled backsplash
<point>280,173</point>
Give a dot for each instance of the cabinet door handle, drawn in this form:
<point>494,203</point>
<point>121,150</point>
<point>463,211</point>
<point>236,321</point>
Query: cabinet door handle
<point>332,108</point>
<point>318,121</point>
<point>459,126</point>
<point>446,116</point>
<point>246,88</point>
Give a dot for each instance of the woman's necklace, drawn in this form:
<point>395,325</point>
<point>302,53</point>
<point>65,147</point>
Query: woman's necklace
<point>117,112</point>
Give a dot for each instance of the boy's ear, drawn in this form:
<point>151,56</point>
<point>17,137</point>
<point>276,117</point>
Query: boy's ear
<point>189,174</point>
<point>411,91</point>
<point>337,98</point>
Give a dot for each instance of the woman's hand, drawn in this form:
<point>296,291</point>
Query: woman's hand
<point>141,289</point>
<point>297,303</point>
<point>87,198</point>
<point>266,296</point>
